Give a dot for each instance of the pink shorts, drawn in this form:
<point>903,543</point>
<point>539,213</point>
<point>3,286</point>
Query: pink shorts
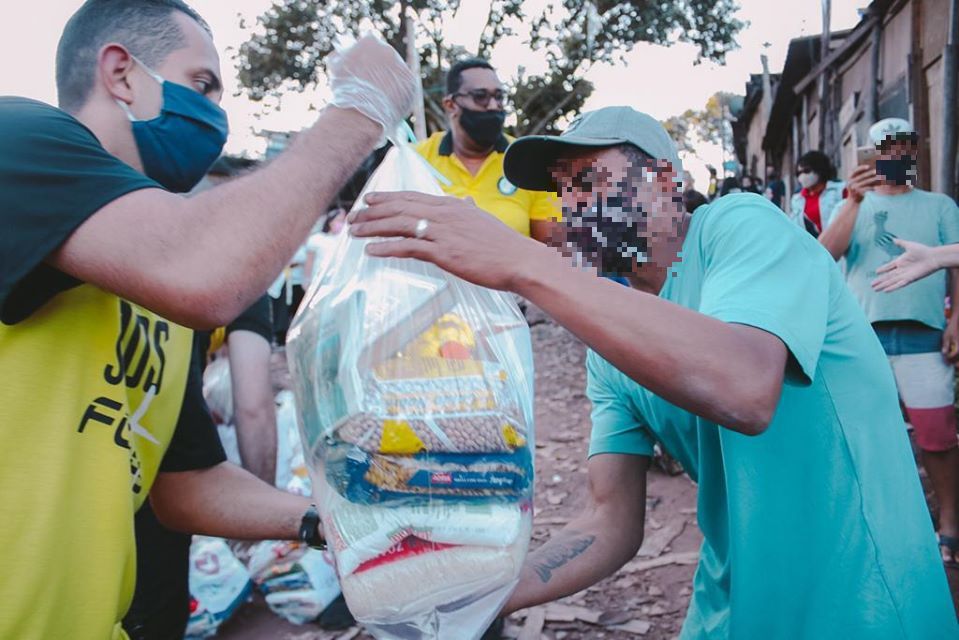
<point>926,385</point>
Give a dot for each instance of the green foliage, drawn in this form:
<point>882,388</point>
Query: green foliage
<point>286,49</point>
<point>711,124</point>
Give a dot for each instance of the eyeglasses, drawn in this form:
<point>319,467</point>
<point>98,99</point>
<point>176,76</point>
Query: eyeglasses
<point>482,97</point>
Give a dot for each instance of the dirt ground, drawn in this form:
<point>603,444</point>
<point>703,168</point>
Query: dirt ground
<point>646,599</point>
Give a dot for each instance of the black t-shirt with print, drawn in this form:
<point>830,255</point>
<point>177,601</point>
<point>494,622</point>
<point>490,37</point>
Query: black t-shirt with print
<point>54,175</point>
<point>161,602</point>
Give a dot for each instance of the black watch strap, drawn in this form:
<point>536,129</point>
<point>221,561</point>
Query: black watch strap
<point>310,528</point>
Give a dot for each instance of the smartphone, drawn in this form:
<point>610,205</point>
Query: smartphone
<point>866,155</point>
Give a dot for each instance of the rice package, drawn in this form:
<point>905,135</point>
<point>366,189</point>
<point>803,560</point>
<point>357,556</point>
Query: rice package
<point>415,399</point>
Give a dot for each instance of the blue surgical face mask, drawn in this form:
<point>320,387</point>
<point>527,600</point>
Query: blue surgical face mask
<point>179,146</point>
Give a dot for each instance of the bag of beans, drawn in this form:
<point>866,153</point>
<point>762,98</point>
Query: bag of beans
<point>415,399</point>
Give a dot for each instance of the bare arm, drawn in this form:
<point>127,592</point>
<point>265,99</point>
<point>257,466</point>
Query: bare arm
<point>227,502</point>
<point>597,543</point>
<point>947,255</point>
<point>253,407</point>
<point>837,235</point>
<point>950,336</point>
<point>730,374</point>
<point>151,246</point>
<point>542,230</point>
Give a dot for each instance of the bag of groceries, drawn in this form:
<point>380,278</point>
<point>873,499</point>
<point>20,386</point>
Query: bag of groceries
<point>219,585</point>
<point>415,400</point>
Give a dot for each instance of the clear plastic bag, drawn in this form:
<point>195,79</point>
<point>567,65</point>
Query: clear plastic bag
<point>218,390</point>
<point>415,399</point>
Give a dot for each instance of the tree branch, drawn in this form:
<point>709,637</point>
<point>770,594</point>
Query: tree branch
<point>549,117</point>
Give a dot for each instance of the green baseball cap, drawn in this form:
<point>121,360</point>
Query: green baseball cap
<point>529,159</point>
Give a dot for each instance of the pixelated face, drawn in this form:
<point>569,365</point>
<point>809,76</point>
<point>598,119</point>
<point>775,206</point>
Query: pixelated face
<point>615,209</point>
<point>896,160</point>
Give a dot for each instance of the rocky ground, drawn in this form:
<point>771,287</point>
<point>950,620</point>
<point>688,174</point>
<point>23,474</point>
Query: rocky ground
<point>646,599</point>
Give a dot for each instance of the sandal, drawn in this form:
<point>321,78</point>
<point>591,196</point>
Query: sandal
<point>951,544</point>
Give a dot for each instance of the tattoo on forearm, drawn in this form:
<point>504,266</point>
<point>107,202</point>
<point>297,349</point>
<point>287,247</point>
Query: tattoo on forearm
<point>555,558</point>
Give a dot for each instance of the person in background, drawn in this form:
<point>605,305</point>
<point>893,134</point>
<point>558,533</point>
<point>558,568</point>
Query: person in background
<point>812,206</point>
<point>739,349</point>
<point>712,189</point>
<point>322,242</point>
<point>730,185</point>
<point>921,344</point>
<point>106,270</point>
<point>775,188</point>
<point>751,184</point>
<point>469,155</point>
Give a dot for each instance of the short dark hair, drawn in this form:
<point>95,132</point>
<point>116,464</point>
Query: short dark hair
<point>729,184</point>
<point>454,77</point>
<point>818,162</point>
<point>693,199</point>
<point>145,27</point>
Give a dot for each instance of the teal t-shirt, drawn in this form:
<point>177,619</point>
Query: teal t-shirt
<point>818,527</point>
<point>921,216</point>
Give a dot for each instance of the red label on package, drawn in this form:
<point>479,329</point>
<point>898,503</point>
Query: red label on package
<point>406,548</point>
<point>442,478</point>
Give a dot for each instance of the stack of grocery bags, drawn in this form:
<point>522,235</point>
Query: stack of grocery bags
<point>414,391</point>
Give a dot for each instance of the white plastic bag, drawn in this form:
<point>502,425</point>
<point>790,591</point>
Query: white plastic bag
<point>297,582</point>
<point>219,584</point>
<point>416,406</point>
<point>289,450</point>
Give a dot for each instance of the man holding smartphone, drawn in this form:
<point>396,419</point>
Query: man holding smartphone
<point>922,345</point>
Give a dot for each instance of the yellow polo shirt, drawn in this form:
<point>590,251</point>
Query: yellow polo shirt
<point>489,188</point>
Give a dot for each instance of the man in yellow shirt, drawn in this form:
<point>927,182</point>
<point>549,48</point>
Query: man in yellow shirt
<point>470,154</point>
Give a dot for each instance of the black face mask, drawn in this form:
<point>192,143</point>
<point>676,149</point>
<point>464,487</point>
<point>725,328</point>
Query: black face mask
<point>606,234</point>
<point>484,127</point>
<point>897,170</point>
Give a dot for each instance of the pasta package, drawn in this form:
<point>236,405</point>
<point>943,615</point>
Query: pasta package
<point>415,399</point>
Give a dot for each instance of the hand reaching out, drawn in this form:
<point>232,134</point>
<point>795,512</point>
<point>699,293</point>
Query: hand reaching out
<point>917,261</point>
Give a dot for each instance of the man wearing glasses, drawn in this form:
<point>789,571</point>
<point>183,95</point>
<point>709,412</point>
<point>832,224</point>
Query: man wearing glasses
<point>470,154</point>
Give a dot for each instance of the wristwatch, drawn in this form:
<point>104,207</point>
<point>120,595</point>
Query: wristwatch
<point>310,529</point>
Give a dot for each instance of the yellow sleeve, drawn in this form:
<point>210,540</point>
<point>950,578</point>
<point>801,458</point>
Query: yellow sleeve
<point>545,206</point>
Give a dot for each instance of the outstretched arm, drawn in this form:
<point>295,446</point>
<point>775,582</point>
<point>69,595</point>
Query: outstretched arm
<point>228,502</point>
<point>200,261</point>
<point>597,543</point>
<point>915,263</point>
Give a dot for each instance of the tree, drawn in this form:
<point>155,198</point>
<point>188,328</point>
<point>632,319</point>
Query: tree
<point>711,124</point>
<point>292,38</point>
<point>679,129</point>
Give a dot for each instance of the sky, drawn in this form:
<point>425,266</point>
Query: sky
<point>661,81</point>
